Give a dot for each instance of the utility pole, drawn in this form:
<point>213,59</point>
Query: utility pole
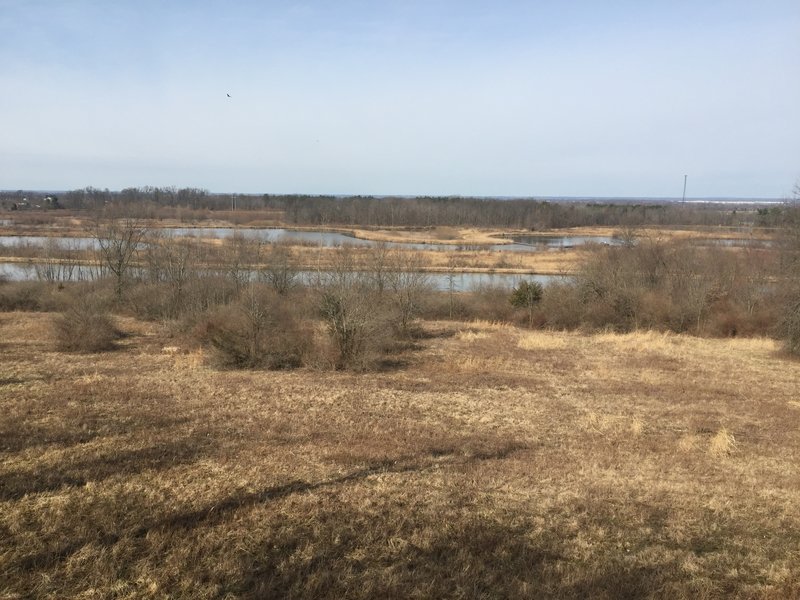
<point>684,188</point>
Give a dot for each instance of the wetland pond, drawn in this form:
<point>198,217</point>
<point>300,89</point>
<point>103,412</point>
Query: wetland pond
<point>525,243</point>
<point>461,282</point>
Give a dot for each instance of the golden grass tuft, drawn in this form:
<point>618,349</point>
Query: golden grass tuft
<point>471,336</point>
<point>484,325</point>
<point>722,443</point>
<point>542,341</point>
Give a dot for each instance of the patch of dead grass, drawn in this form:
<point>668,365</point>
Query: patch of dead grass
<point>722,443</point>
<point>498,463</point>
<point>543,341</point>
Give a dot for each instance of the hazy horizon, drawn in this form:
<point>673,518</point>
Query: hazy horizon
<point>611,100</point>
<point>541,198</point>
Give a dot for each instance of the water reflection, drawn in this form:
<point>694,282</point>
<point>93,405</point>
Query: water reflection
<point>459,282</point>
<point>550,242</point>
<point>40,241</point>
<point>315,238</point>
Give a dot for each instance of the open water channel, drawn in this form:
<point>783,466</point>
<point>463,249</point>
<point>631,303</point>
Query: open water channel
<point>524,243</point>
<point>440,281</point>
<point>460,281</point>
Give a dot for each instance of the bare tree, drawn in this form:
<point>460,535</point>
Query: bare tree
<point>118,243</point>
<point>279,271</point>
<point>172,261</point>
<point>408,285</point>
<point>452,266</point>
<point>240,255</point>
<point>350,306</point>
<point>57,261</point>
<point>378,265</point>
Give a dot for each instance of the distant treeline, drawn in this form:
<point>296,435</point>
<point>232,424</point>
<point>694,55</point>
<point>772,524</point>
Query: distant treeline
<point>423,211</point>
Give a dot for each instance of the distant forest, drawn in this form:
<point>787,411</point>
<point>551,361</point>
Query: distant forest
<point>423,211</point>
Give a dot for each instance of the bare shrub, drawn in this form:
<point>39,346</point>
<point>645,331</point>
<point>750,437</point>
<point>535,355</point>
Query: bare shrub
<point>378,265</point>
<point>206,292</point>
<point>20,295</point>
<point>239,255</point>
<point>258,331</point>
<point>149,301</point>
<point>408,288</point>
<point>279,271</point>
<point>170,259</point>
<point>354,313</point>
<point>488,302</point>
<point>200,293</point>
<point>85,327</point>
<point>675,286</point>
<point>172,264</point>
<point>789,325</point>
<point>352,321</point>
<point>561,306</point>
<point>32,296</point>
<point>653,310</point>
<point>444,305</point>
<point>606,314</point>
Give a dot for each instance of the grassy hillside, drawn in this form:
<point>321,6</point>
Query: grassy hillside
<point>486,462</point>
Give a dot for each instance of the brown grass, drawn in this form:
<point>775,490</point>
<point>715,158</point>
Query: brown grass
<point>496,463</point>
<point>444,259</point>
<point>434,235</point>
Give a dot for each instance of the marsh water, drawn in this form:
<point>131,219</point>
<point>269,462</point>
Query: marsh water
<point>40,241</point>
<point>524,243</point>
<point>440,281</point>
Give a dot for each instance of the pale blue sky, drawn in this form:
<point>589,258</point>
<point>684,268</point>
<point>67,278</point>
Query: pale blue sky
<point>566,98</point>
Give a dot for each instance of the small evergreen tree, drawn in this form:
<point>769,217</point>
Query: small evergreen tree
<point>527,295</point>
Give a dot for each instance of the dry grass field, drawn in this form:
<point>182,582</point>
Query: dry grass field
<point>559,262</point>
<point>485,462</point>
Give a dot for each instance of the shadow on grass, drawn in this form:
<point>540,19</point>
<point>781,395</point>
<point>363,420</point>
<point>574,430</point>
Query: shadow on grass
<point>16,484</point>
<point>218,512</point>
<point>346,553</point>
<point>17,435</point>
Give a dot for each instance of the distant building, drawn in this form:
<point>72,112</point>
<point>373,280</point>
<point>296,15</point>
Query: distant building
<point>49,203</point>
